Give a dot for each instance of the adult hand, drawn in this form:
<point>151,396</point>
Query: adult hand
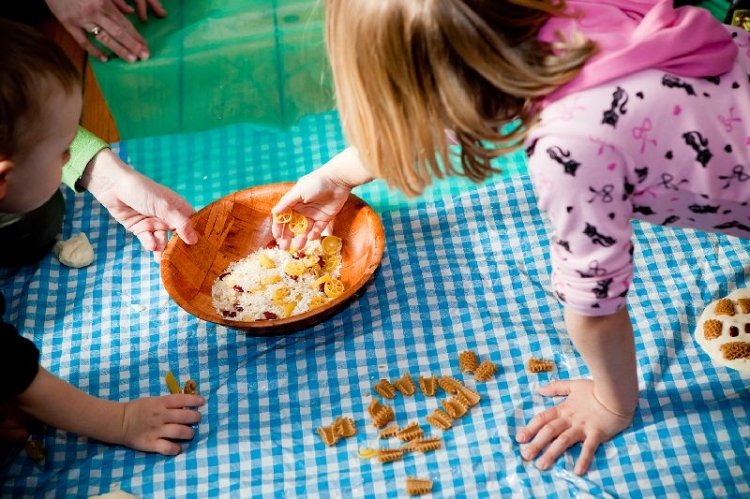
<point>147,209</point>
<point>580,418</point>
<point>106,21</point>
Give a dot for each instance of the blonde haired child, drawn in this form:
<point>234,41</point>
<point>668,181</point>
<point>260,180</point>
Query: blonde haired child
<point>626,110</point>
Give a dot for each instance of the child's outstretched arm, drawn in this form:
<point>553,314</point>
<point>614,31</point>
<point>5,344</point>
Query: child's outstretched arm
<point>594,411</point>
<point>320,195</point>
<point>147,424</point>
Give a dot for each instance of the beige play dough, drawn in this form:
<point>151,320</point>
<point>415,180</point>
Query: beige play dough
<point>76,252</point>
<point>730,330</point>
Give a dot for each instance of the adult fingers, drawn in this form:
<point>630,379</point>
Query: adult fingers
<point>563,442</point>
<point>177,216</point>
<point>544,436</point>
<point>124,7</point>
<point>147,240</point>
<point>83,41</point>
<point>161,239</point>
<point>590,444</point>
<point>536,424</point>
<point>121,37</point>
<point>155,5</point>
<point>556,389</point>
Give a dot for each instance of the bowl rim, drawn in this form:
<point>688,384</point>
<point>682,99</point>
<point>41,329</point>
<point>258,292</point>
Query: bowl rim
<point>281,325</point>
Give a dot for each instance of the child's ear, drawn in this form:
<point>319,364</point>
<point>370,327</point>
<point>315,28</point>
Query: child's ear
<point>6,166</point>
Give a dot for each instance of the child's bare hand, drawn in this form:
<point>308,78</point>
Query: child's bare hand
<point>150,424</point>
<point>580,418</point>
<point>317,197</point>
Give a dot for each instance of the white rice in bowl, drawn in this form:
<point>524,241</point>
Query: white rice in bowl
<point>264,286</point>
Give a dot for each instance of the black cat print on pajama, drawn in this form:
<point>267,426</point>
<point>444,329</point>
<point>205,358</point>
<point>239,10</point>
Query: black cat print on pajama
<point>659,147</point>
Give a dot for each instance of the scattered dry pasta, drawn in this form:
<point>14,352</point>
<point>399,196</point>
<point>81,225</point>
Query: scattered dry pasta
<point>367,453</point>
<point>468,396</point>
<point>405,385</point>
<point>328,435</point>
<point>485,371</point>
<point>389,431</point>
<point>455,408</point>
<point>381,414</point>
<point>345,427</point>
<point>389,455</point>
<point>385,389</point>
<point>536,366</point>
<point>439,419</point>
<point>468,361</point>
<point>418,486</point>
<point>410,432</point>
<point>429,385</point>
<point>449,384</point>
<point>423,444</point>
<point>172,384</point>
<point>191,387</point>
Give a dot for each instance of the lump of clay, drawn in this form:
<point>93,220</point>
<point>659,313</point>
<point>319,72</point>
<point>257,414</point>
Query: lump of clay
<point>76,252</point>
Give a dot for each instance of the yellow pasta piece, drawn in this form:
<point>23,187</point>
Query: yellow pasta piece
<point>345,427</point>
<point>280,295</point>
<point>454,407</point>
<point>389,431</point>
<point>333,288</point>
<point>449,384</point>
<point>266,262</point>
<point>485,371</point>
<point>328,435</point>
<point>321,280</point>
<point>423,444</point>
<point>418,486</point>
<point>288,308</point>
<point>468,361</point>
<point>172,384</point>
<point>439,419</point>
<point>429,385</point>
<point>191,387</point>
<point>283,218</point>
<point>367,453</point>
<point>385,389</point>
<point>317,301</point>
<point>310,260</point>
<point>298,224</point>
<point>410,432</point>
<point>331,245</point>
<point>536,366</point>
<point>405,385</point>
<point>270,279</point>
<point>468,396</point>
<point>330,262</point>
<point>381,414</point>
<point>390,455</point>
<point>294,268</point>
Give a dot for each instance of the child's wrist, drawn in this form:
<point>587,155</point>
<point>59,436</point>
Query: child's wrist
<point>620,408</point>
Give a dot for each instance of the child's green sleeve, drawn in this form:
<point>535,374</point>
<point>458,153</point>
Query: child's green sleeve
<point>84,147</point>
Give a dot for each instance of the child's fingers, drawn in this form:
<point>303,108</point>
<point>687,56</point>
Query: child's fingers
<point>544,436</point>
<point>166,447</point>
<point>563,442</point>
<point>590,444</point>
<point>181,400</point>
<point>536,424</point>
<point>183,416</point>
<point>556,389</point>
<point>177,432</point>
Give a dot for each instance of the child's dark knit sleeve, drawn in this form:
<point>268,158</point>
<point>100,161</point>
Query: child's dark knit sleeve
<point>19,359</point>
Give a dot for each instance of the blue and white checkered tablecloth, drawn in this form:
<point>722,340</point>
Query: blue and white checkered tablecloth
<point>465,272</point>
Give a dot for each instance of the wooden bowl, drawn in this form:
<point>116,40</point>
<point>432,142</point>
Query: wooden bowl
<point>234,226</point>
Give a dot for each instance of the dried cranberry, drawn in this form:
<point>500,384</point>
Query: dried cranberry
<point>222,276</point>
<point>272,244</point>
<point>293,277</point>
<point>228,313</point>
<point>300,254</point>
<point>734,331</point>
<point>747,328</point>
<point>238,288</point>
<point>238,307</point>
<point>270,315</point>
<point>321,262</point>
<point>322,287</point>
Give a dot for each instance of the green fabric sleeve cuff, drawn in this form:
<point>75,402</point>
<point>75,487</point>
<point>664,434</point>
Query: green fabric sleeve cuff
<point>84,147</point>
